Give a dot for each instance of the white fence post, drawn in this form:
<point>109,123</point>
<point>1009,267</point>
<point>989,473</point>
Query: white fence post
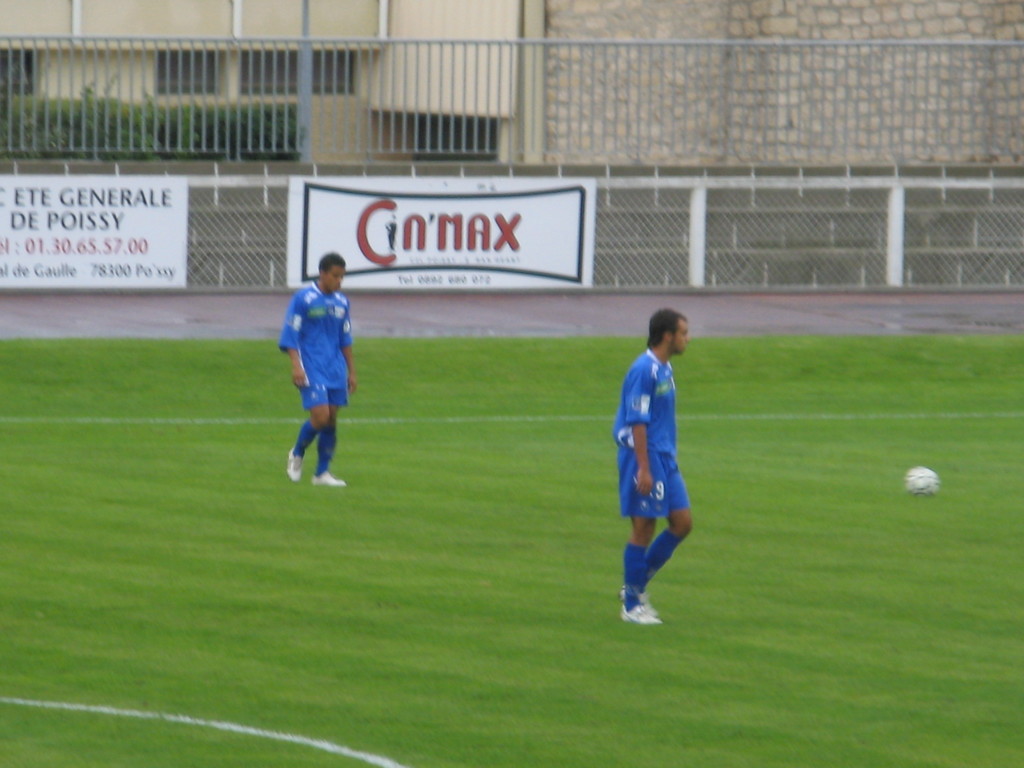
<point>698,235</point>
<point>894,245</point>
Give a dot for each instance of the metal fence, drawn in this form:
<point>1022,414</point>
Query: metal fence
<point>752,232</point>
<point>528,101</point>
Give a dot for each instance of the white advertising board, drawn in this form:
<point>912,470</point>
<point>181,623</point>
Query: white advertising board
<point>444,233</point>
<point>93,232</point>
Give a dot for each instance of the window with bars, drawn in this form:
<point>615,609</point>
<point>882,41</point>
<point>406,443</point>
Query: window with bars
<point>276,73</point>
<point>188,72</point>
<point>455,137</point>
<point>17,72</point>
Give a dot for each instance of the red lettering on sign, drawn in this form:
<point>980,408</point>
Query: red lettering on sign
<point>444,223</point>
<point>419,224</point>
<point>454,232</point>
<point>478,229</point>
<point>508,235</point>
<point>384,259</point>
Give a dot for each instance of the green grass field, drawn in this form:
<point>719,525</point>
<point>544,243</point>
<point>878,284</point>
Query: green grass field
<point>456,604</point>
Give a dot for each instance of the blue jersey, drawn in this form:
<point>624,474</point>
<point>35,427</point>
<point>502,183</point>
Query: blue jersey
<point>648,397</point>
<point>318,325</point>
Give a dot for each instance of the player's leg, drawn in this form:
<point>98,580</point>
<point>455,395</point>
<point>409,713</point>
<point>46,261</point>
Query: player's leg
<point>680,521</point>
<point>635,607</point>
<point>679,525</point>
<point>314,400</point>
<point>328,439</point>
<point>634,568</point>
<point>634,559</point>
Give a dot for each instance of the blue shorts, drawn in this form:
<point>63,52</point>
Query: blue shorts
<point>669,492</point>
<point>319,394</point>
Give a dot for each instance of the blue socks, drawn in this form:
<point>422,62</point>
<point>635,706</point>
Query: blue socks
<point>306,436</point>
<point>634,574</point>
<point>659,553</point>
<point>328,439</point>
<point>325,449</point>
<point>639,564</point>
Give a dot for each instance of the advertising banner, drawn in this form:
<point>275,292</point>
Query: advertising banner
<point>93,232</point>
<point>444,233</point>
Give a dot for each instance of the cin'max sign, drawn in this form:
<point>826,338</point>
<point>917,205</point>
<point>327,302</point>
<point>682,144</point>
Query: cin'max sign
<point>458,234</point>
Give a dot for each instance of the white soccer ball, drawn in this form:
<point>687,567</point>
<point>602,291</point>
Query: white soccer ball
<point>921,481</point>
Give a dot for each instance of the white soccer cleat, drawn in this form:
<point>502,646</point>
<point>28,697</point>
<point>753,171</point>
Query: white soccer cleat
<point>639,615</point>
<point>328,479</point>
<point>294,467</point>
<point>645,601</point>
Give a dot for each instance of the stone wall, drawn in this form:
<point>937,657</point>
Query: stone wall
<point>853,102</point>
<point>637,19</point>
<point>798,19</point>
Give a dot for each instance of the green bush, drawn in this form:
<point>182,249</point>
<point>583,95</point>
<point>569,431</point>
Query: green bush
<point>232,132</point>
<point>94,128</point>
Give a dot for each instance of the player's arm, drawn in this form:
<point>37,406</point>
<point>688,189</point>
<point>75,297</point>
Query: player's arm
<point>644,479</point>
<point>639,394</point>
<point>351,365</point>
<point>345,343</point>
<point>289,341</point>
<point>299,378</point>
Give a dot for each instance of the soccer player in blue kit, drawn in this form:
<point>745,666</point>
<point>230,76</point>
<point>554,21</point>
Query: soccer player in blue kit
<point>650,483</point>
<point>317,336</point>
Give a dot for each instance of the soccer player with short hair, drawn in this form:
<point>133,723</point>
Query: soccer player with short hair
<point>317,336</point>
<point>650,483</point>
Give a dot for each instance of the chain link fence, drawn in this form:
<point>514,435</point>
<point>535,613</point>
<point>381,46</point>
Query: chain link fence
<point>758,232</point>
<point>238,233</point>
<point>796,237</point>
<point>641,238</point>
<point>965,237</point>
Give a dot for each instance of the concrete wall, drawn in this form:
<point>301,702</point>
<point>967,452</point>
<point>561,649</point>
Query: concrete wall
<point>198,18</point>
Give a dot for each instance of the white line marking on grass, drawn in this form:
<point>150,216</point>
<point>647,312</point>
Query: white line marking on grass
<point>175,421</point>
<point>384,420</point>
<point>848,416</point>
<point>245,730</point>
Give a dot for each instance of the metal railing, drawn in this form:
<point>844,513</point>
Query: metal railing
<point>698,231</point>
<point>528,101</point>
<point>767,229</point>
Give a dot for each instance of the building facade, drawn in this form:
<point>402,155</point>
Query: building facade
<point>556,19</point>
<point>662,82</point>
